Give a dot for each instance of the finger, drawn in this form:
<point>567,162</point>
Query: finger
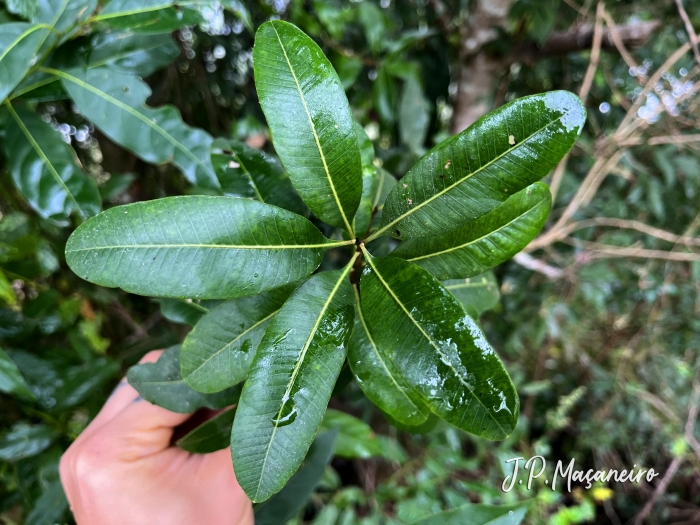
<point>122,396</point>
<point>140,429</point>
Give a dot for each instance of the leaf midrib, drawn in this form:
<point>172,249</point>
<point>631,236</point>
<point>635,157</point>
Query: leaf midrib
<point>121,14</point>
<point>316,139</point>
<point>31,29</point>
<point>368,257</point>
<point>297,367</point>
<point>460,181</point>
<point>215,246</point>
<point>376,351</point>
<point>464,245</point>
<point>47,162</point>
<point>124,107</point>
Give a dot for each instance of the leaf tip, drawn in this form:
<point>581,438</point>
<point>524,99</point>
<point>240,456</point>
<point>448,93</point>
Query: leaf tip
<point>573,112</point>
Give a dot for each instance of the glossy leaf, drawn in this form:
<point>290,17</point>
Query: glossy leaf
<point>356,439</point>
<point>152,16</point>
<point>370,178</point>
<point>251,173</point>
<point>378,378</point>
<point>438,349</point>
<point>64,16</point>
<point>310,121</point>
<point>184,311</point>
<point>212,435</point>
<point>479,292</point>
<point>385,183</point>
<point>45,170</point>
<point>487,242</point>
<point>24,440</point>
<point>19,43</point>
<point>115,102</point>
<point>290,382</point>
<point>467,176</point>
<point>160,383</point>
<point>196,247</point>
<point>217,353</point>
<point>284,505</point>
<point>479,515</point>
<point>11,380</point>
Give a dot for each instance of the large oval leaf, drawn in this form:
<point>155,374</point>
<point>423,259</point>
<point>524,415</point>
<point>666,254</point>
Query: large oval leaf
<point>472,173</point>
<point>217,353</point>
<point>290,382</point>
<point>116,103</point>
<point>196,247</point>
<point>45,169</point>
<point>310,121</point>
<point>437,348</point>
<point>487,242</point>
<point>379,379</point>
<point>160,383</point>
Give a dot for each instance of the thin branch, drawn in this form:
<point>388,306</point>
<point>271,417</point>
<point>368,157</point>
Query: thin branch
<point>632,225</point>
<point>528,261</point>
<point>595,54</point>
<point>689,28</point>
<point>617,40</point>
<point>596,250</point>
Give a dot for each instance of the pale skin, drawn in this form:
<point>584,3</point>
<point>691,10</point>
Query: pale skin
<point>123,469</point>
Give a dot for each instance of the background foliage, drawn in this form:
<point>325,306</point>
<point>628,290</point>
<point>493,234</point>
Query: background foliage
<point>598,322</point>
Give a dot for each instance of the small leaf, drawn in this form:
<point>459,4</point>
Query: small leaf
<point>414,114</point>
<point>284,505</point>
<point>487,242</point>
<point>438,349</point>
<point>385,183</point>
<point>210,436</point>
<point>184,311</point>
<point>252,173</point>
<point>363,217</point>
<point>24,441</point>
<point>374,23</point>
<point>45,170</point>
<point>378,379</point>
<point>310,121</point>
<point>384,96</point>
<point>19,43</point>
<point>160,383</point>
<point>152,16</point>
<point>196,247</point>
<point>290,382</point>
<point>11,380</point>
<point>116,103</point>
<point>217,353</point>
<point>479,292</point>
<point>467,176</point>
<point>479,515</point>
<point>356,439</point>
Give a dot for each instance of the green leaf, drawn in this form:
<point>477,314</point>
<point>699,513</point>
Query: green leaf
<point>151,16</point>
<point>196,247</point>
<point>19,43</point>
<point>23,8</point>
<point>438,349</point>
<point>217,353</point>
<point>290,382</point>
<point>414,114</point>
<point>363,217</point>
<point>479,292</point>
<point>252,173</point>
<point>374,23</point>
<point>479,515</point>
<point>385,183</point>
<point>356,439</point>
<point>379,379</point>
<point>310,121</point>
<point>116,185</point>
<point>11,380</point>
<point>7,293</point>
<point>284,505</point>
<point>384,96</point>
<point>24,440</point>
<point>45,170</point>
<point>183,311</point>
<point>486,242</point>
<point>423,428</point>
<point>115,103</point>
<point>210,436</point>
<point>160,383</point>
<point>472,173</point>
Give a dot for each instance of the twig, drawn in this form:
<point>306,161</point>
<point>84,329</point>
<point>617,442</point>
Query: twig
<point>617,40</point>
<point>528,261</point>
<point>689,28</point>
<point>632,225</point>
<point>596,250</point>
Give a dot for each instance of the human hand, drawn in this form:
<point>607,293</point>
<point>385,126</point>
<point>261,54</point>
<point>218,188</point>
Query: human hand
<point>122,469</point>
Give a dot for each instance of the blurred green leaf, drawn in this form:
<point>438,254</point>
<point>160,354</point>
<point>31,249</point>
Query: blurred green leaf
<point>23,8</point>
<point>479,292</point>
<point>210,436</point>
<point>479,515</point>
<point>355,438</point>
<point>24,440</point>
<point>11,380</point>
<point>414,115</point>
<point>184,311</point>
